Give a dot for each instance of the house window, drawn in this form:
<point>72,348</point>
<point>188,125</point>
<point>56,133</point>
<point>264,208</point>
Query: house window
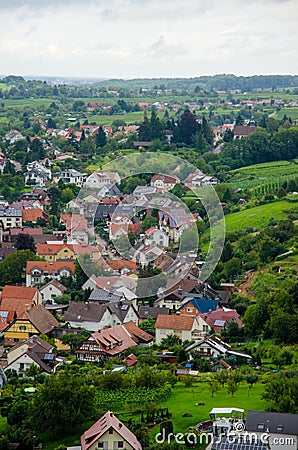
<point>111,431</point>
<point>23,327</point>
<point>120,444</point>
<point>189,309</point>
<point>261,427</point>
<point>100,444</point>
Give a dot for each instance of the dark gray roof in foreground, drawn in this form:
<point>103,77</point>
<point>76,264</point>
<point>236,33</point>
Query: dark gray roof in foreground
<point>279,423</point>
<point>104,296</point>
<point>224,443</point>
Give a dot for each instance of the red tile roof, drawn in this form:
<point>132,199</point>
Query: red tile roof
<point>110,201</point>
<point>17,298</point>
<point>50,266</point>
<point>31,215</point>
<point>226,316</point>
<point>165,178</point>
<point>173,322</point>
<point>99,428</point>
<point>118,264</point>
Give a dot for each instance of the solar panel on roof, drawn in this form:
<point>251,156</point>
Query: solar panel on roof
<point>49,357</point>
<point>219,323</point>
<point>238,443</point>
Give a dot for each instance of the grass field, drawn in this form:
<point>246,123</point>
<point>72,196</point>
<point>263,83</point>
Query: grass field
<point>129,118</point>
<point>183,400</point>
<point>257,217</point>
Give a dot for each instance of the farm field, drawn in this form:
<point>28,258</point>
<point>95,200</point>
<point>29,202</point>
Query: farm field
<point>261,174</point>
<point>129,118</point>
<point>291,111</point>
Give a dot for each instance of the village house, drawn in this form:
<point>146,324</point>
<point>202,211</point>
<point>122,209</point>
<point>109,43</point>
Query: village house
<point>198,179</point>
<point>110,283</point>
<point>33,214</point>
<point>34,321</point>
<point>164,182</point>
<point>96,316</point>
<point>157,237</point>
<point>40,271</point>
<point>109,433</point>
<point>13,136</point>
<point>212,348</point>
<point>186,328</point>
<point>37,194</point>
<point>10,218</point>
<point>220,318</point>
<point>55,252</point>
<point>76,227</point>
<point>33,351</point>
<point>18,299</point>
<point>281,427</point>
<point>174,221</point>
<point>75,206</point>
<point>151,311</point>
<point>35,177</point>
<point>112,342</point>
<point>97,180</point>
<point>193,305</point>
<point>241,131</point>
<point>172,296</point>
<point>71,176</point>
<point>51,290</point>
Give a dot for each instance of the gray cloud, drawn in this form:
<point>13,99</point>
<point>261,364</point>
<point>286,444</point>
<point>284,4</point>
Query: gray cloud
<point>129,38</point>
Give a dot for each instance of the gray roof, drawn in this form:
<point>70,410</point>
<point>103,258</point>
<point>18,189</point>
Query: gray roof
<point>104,296</point>
<point>80,312</point>
<point>151,311</point>
<point>278,423</point>
<point>139,190</point>
<point>103,211</point>
<point>238,443</point>
<point>93,312</point>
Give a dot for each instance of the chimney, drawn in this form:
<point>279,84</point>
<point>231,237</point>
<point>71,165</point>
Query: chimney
<point>27,307</point>
<point>86,305</point>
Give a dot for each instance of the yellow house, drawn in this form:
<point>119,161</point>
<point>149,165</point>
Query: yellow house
<point>35,321</point>
<point>55,252</point>
<point>66,252</point>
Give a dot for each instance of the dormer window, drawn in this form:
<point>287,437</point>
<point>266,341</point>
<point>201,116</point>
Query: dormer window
<point>279,428</point>
<point>261,427</point>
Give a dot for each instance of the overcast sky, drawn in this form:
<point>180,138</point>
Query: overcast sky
<point>148,38</point>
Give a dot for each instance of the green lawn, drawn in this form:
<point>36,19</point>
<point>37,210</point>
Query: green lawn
<point>257,217</point>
